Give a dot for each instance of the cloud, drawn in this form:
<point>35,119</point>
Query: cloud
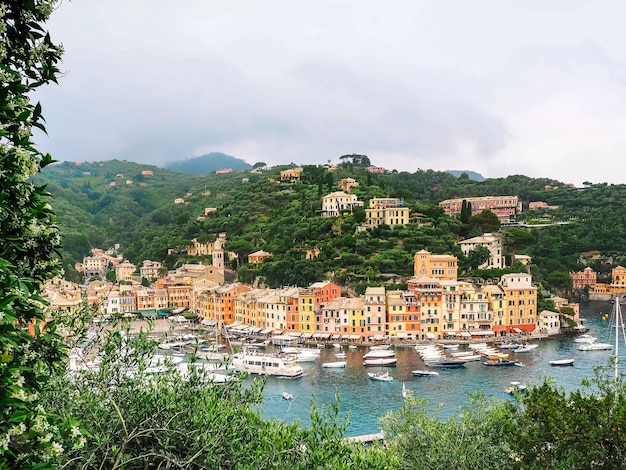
<point>495,87</point>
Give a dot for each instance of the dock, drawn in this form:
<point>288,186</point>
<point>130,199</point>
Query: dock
<point>368,439</point>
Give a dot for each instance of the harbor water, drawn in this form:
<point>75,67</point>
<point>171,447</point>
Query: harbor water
<point>366,401</point>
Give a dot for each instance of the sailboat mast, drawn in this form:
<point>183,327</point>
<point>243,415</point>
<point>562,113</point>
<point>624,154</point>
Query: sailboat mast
<point>618,325</point>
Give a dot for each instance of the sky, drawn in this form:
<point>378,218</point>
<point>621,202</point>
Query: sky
<point>499,87</point>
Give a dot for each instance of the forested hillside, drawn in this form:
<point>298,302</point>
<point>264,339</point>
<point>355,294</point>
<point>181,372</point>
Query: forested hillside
<point>104,203</point>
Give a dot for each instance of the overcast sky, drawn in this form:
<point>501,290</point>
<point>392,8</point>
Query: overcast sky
<point>499,87</point>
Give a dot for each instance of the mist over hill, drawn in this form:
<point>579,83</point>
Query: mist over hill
<point>208,163</point>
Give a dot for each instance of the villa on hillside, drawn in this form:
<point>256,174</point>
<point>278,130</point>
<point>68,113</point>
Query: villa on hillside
<point>505,207</point>
<point>490,241</point>
<point>386,210</point>
<point>334,203</point>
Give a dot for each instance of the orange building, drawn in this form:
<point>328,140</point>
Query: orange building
<point>442,267</point>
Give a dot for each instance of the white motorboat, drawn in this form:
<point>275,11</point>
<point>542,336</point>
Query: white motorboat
<point>379,353</point>
<point>594,346</point>
<point>341,354</point>
<point>277,365</point>
<point>562,362</point>
<point>287,396</point>
<point>586,338</point>
<point>425,373</point>
<point>334,364</point>
<point>515,387</point>
<point>380,376</point>
<point>525,348</point>
<point>380,361</point>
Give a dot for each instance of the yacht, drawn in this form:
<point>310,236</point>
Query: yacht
<point>277,365</point>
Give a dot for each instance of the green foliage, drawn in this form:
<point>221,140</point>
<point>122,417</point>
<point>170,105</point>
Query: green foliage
<point>550,428</point>
<point>470,439</point>
<point>135,419</point>
<point>30,349</point>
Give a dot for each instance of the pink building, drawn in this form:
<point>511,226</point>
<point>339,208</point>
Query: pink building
<point>587,277</point>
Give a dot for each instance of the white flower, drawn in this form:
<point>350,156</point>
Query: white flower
<point>80,442</point>
<point>56,448</point>
<point>19,381</point>
<point>75,431</point>
<point>47,437</point>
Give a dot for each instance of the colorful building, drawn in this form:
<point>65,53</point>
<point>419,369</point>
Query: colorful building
<point>442,267</point>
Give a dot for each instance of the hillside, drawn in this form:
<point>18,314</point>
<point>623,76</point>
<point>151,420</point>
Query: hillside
<point>208,163</point>
<point>105,203</point>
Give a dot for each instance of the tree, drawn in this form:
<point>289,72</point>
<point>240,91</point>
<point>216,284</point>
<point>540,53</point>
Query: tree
<point>470,439</point>
<point>550,428</point>
<point>259,165</point>
<point>478,256</point>
<point>486,221</point>
<point>30,347</point>
<point>466,211</point>
<point>515,239</point>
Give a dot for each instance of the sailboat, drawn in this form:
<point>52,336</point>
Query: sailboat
<point>618,323</point>
<point>403,390</point>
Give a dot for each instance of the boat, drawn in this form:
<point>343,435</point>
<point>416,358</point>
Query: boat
<point>341,354</point>
<point>302,354</point>
<point>380,376</point>
<point>509,345</point>
<point>403,390</point>
<point>352,346</point>
<point>321,346</point>
<point>525,348</point>
<point>380,346</point>
<point>380,361</point>
<point>562,362</point>
<point>515,387</point>
<point>449,346</point>
<point>336,345</point>
<point>277,365</point>
<point>499,362</point>
<point>586,338</point>
<point>287,396</point>
<point>379,353</point>
<point>446,363</point>
<point>334,364</point>
<point>595,346</point>
<point>425,373</point>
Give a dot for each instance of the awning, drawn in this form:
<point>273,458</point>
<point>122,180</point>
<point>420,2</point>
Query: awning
<point>355,336</point>
<point>321,335</point>
<point>179,310</point>
<point>402,334</point>
<point>295,334</point>
<point>378,337</point>
<point>148,314</point>
<point>207,322</point>
<point>430,335</point>
<point>267,331</point>
<point>517,330</point>
<point>307,334</point>
<point>465,334</point>
<point>482,333</point>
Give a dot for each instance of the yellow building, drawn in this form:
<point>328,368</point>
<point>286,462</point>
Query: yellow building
<point>249,308</point>
<point>520,304</point>
<point>386,210</point>
<point>429,294</point>
<point>291,176</point>
<point>442,267</point>
<point>307,310</point>
<point>618,276</point>
<point>334,203</point>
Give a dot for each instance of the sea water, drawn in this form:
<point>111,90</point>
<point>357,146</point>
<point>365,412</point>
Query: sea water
<point>365,401</point>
